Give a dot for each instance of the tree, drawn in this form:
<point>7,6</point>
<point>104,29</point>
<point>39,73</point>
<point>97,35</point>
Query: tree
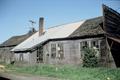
<point>90,59</point>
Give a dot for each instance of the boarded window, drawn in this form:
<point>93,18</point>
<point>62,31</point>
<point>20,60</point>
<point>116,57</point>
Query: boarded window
<point>60,49</point>
<point>53,50</point>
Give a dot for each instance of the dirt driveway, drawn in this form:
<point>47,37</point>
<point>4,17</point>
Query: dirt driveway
<point>24,77</point>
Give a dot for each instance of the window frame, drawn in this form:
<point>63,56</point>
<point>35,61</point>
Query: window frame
<point>60,49</point>
<point>53,50</point>
<point>96,44</point>
<point>39,55</point>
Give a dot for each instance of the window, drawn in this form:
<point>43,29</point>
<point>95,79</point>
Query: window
<point>47,50</point>
<point>53,50</point>
<point>39,54</point>
<point>94,44</point>
<point>83,44</point>
<point>60,51</point>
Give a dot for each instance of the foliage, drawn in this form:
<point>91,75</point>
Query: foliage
<point>90,59</point>
<point>69,72</point>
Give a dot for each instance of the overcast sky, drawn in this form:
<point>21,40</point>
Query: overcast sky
<point>15,14</point>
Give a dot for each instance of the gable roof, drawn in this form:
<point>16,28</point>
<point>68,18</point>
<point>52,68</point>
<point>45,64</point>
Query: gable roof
<point>90,27</point>
<point>15,40</point>
<point>82,28</point>
<point>61,31</point>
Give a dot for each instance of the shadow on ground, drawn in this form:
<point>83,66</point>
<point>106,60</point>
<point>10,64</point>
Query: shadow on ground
<point>2,78</point>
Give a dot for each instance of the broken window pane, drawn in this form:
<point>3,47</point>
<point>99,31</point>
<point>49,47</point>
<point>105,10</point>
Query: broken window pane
<point>53,50</point>
<point>60,51</point>
<point>94,44</point>
<point>84,44</point>
<point>39,54</point>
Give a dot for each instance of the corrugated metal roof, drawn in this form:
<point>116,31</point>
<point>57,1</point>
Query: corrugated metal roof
<point>61,31</point>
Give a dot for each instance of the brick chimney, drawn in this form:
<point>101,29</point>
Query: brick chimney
<point>41,25</point>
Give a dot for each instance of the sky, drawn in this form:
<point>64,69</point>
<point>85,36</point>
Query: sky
<point>15,14</point>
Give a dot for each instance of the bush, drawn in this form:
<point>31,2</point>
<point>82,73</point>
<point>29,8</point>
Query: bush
<point>89,59</point>
<point>68,72</point>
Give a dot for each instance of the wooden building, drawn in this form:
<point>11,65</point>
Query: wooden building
<point>64,44</point>
<point>111,26</point>
<point>5,54</point>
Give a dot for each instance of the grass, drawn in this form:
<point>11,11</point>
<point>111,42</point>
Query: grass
<point>69,72</point>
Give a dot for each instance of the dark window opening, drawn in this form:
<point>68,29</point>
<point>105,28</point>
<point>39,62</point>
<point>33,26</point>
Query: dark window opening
<point>53,50</point>
<point>40,54</point>
<point>84,44</point>
<point>95,44</point>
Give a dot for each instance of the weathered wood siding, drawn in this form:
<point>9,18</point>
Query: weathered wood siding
<point>28,57</point>
<point>72,53</point>
<point>32,57</point>
<point>106,58</point>
<point>5,54</point>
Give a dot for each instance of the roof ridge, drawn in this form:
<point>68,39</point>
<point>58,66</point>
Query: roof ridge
<point>73,22</point>
<point>65,24</point>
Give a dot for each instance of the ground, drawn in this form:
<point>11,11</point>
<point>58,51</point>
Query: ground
<point>17,76</point>
<point>55,72</point>
<point>6,74</point>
